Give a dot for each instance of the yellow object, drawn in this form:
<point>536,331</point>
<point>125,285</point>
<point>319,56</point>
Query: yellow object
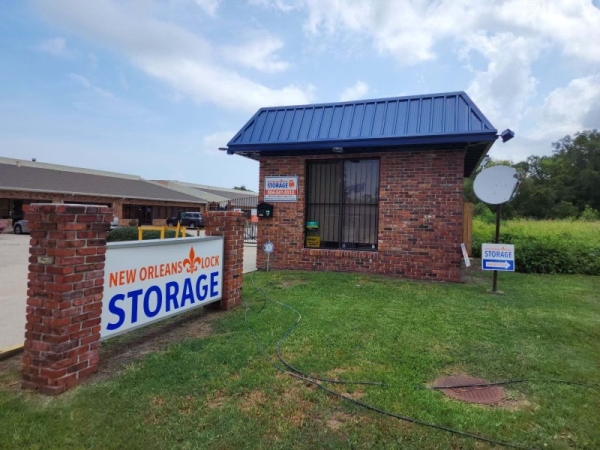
<point>162,230</point>
<point>313,241</point>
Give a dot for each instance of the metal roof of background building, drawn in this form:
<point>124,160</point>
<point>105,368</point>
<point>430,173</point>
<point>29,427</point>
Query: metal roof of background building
<point>209,193</point>
<point>434,121</point>
<point>20,175</point>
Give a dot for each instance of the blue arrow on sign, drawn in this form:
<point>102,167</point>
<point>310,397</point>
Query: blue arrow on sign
<point>505,265</point>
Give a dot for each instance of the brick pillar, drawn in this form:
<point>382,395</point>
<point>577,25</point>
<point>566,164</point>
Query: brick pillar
<point>64,296</point>
<point>117,206</point>
<point>231,225</point>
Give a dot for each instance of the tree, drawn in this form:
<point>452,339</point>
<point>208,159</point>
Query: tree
<point>558,186</point>
<point>579,161</point>
<point>241,188</point>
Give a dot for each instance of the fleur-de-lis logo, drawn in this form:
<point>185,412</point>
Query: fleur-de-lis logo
<point>191,261</point>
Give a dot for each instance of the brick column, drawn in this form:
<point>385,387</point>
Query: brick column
<point>230,225</point>
<point>64,296</point>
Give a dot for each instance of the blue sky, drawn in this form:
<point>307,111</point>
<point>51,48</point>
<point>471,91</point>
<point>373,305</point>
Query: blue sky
<point>154,87</point>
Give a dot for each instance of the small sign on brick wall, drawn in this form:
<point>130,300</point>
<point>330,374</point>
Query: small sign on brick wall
<point>281,189</point>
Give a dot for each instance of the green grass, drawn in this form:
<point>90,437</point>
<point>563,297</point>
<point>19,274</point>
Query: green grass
<point>221,392</point>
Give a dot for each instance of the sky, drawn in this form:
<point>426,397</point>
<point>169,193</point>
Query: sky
<point>155,87</point>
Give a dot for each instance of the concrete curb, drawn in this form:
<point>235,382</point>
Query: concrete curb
<point>6,353</point>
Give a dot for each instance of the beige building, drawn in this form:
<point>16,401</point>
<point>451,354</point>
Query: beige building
<point>132,198</point>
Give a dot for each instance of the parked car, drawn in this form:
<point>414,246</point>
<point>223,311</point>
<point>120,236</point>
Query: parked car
<point>21,226</point>
<point>187,219</point>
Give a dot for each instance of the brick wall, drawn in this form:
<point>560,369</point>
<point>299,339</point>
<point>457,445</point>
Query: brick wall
<point>64,295</point>
<point>231,225</point>
<point>420,218</point>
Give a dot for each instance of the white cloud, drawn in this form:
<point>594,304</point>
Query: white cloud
<point>284,5</point>
<point>569,109</point>
<point>506,86</point>
<point>83,81</point>
<point>565,111</point>
<point>355,92</point>
<point>409,30</point>
<point>168,52</point>
<point>209,6</point>
<point>212,142</point>
<point>56,46</point>
<point>259,54</point>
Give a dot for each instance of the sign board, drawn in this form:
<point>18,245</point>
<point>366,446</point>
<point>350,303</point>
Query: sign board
<point>498,257</point>
<point>463,247</point>
<point>312,225</point>
<point>147,281</point>
<point>313,241</point>
<point>268,247</point>
<point>281,189</point>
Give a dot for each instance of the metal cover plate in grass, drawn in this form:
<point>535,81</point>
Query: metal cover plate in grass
<point>486,395</point>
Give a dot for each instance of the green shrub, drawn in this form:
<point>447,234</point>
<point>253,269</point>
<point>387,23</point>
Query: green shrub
<point>131,234</point>
<point>483,212</point>
<point>546,246</point>
<point>589,214</point>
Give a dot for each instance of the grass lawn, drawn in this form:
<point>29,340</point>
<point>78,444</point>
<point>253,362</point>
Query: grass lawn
<point>221,392</point>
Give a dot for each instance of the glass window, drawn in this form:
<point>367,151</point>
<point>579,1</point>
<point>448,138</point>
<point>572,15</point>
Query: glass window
<point>343,198</point>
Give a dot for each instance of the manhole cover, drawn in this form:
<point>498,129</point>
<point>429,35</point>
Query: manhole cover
<point>485,395</point>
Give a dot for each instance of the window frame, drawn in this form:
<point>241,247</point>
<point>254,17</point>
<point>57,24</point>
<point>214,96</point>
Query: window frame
<point>343,205</point>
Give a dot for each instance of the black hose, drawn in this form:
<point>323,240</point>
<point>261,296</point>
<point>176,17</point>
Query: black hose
<point>499,383</point>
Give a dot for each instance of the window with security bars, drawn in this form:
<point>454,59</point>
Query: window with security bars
<point>343,198</point>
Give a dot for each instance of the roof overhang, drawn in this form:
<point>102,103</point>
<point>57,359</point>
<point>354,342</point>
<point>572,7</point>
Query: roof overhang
<point>476,146</point>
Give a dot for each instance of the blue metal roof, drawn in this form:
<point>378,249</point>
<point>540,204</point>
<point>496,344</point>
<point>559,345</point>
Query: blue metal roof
<point>394,123</point>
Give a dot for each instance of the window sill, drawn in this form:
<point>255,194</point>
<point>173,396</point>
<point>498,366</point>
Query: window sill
<point>338,253</point>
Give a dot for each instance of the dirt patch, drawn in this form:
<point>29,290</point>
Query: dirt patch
<point>187,405</point>
<point>356,394</point>
<point>339,372</point>
<point>10,373</point>
<point>157,401</point>
<point>120,352</point>
<point>338,419</point>
<point>216,400</point>
<point>252,400</point>
<point>291,283</point>
<point>116,356</point>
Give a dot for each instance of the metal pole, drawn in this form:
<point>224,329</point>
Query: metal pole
<point>497,240</point>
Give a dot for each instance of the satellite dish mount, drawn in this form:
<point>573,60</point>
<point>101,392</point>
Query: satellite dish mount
<point>495,186</point>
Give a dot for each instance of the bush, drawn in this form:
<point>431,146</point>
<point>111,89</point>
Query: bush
<point>131,234</point>
<point>589,214</point>
<point>546,246</point>
<point>483,212</point>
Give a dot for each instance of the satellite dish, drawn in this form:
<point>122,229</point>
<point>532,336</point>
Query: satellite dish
<point>496,185</point>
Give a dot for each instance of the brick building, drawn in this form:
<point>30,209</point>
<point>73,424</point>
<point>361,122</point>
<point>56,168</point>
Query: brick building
<point>379,182</point>
<point>130,196</point>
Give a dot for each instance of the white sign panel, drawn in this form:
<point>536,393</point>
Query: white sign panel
<point>498,257</point>
<point>146,281</point>
<point>465,255</point>
<point>281,189</point>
